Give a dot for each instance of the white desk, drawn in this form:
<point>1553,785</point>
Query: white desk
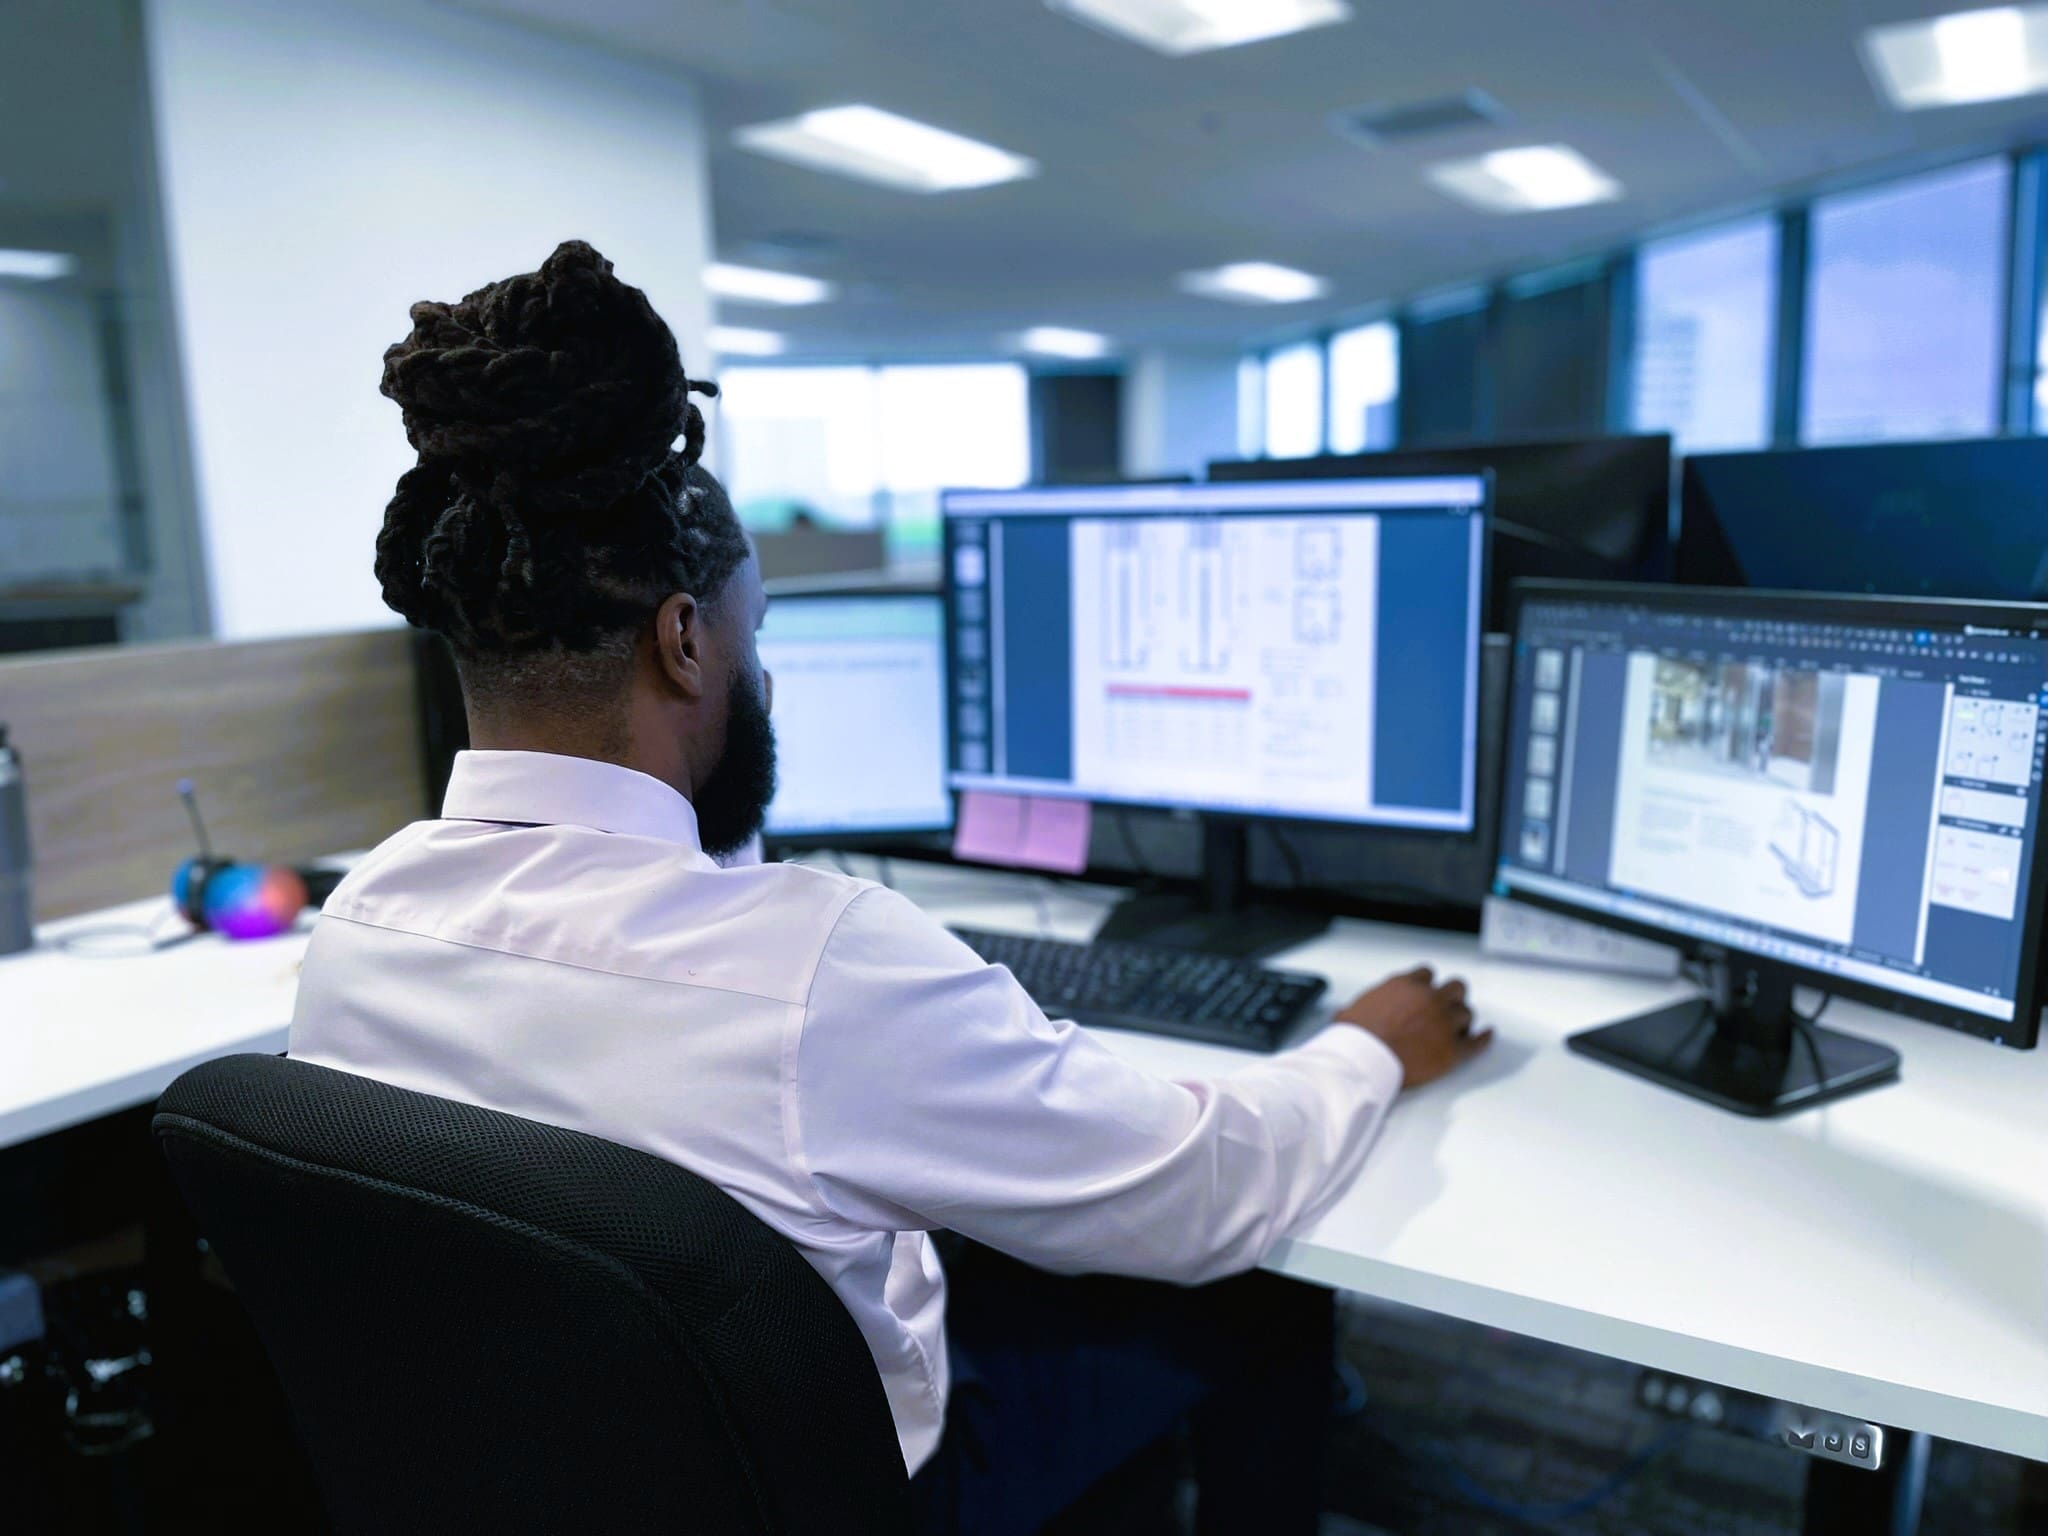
<point>83,1035</point>
<point>1885,1257</point>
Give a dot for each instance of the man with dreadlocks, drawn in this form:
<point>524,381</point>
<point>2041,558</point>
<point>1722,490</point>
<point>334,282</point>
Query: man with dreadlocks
<point>561,944</point>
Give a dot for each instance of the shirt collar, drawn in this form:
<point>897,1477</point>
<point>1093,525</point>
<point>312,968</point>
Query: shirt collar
<point>546,789</point>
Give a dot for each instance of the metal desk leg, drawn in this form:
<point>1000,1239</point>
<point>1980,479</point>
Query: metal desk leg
<point>1843,1501</point>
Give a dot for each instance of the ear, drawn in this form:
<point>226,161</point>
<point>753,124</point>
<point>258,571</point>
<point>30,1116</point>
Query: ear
<point>679,644</point>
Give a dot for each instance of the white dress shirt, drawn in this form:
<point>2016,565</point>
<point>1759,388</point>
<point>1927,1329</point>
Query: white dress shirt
<point>560,947</point>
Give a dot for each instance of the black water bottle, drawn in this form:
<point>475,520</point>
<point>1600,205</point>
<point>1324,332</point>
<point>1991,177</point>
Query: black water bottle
<point>17,900</point>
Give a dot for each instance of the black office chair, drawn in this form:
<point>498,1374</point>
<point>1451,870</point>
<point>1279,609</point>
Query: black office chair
<point>482,1323</point>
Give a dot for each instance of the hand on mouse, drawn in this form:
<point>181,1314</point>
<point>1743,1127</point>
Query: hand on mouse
<point>1427,1027</point>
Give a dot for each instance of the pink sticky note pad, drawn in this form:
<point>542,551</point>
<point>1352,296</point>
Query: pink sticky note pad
<point>1022,832</point>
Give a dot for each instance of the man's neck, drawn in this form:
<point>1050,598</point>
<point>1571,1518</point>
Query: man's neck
<point>565,738</point>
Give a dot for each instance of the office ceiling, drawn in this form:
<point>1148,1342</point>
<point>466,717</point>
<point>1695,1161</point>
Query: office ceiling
<point>1151,166</point>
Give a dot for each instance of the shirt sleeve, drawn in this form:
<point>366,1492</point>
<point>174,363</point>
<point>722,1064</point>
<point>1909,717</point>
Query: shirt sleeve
<point>930,1091</point>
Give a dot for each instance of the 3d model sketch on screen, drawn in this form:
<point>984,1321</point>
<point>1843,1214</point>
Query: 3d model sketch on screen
<point>1809,848</point>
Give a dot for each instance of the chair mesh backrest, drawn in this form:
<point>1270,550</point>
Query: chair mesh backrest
<point>485,1323</point>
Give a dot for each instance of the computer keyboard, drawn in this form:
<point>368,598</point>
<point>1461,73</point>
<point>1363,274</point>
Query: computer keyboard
<point>1160,991</point>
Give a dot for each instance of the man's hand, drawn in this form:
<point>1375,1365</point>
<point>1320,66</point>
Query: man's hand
<point>1427,1027</point>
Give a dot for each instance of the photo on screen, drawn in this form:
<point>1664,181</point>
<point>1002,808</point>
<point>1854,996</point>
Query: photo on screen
<point>1743,789</point>
<point>1747,720</point>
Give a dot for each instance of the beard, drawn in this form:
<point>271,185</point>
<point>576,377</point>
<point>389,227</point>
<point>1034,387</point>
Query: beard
<point>733,801</point>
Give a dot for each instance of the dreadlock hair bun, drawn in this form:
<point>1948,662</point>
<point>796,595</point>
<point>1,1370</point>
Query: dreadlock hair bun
<point>549,507</point>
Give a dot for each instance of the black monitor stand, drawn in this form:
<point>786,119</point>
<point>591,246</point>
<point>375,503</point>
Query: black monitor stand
<point>1218,916</point>
<point>1742,1047</point>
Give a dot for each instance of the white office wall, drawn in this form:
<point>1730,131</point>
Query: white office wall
<point>57,487</point>
<point>1179,411</point>
<point>324,164</point>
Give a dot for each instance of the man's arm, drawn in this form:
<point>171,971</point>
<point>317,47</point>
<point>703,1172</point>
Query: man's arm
<point>930,1091</point>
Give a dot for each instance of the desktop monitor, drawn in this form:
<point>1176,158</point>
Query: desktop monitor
<point>860,701</point>
<point>1298,650</point>
<point>1831,791</point>
<point>1956,519</point>
<point>1593,509</point>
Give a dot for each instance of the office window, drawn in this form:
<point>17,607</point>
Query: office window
<point>1251,407</point>
<point>2041,375</point>
<point>2037,421</point>
<point>1905,302</point>
<point>1706,337</point>
<point>855,447</point>
<point>1365,387</point>
<point>948,425</point>
<point>1547,362</point>
<point>955,424</point>
<point>1442,348</point>
<point>800,442</point>
<point>1294,402</point>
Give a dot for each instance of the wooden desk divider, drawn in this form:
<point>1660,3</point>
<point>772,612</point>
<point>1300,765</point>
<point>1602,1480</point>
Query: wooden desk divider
<point>297,748</point>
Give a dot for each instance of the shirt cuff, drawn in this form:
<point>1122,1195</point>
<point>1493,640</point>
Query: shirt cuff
<point>1362,1050</point>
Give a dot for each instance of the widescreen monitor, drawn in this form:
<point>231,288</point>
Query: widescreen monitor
<point>1835,791</point>
<point>1303,650</point>
<point>860,699</point>
<point>1955,519</point>
<point>1596,508</point>
<point>1297,650</point>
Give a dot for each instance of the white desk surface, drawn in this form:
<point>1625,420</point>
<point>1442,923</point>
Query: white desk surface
<point>84,1033</point>
<point>1885,1256</point>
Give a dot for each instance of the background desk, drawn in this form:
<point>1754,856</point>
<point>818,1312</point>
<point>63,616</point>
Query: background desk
<point>1885,1257</point>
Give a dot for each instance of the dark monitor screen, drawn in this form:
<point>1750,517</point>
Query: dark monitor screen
<point>1847,787</point>
<point>1963,519</point>
<point>1592,509</point>
<point>1298,651</point>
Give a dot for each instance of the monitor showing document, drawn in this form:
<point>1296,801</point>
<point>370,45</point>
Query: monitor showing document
<point>1850,788</point>
<point>860,698</point>
<point>1298,649</point>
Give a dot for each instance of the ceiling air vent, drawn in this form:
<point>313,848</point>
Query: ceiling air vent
<point>1383,125</point>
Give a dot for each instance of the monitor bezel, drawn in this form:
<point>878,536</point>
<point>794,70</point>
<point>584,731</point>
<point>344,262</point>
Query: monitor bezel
<point>2023,1032</point>
<point>883,838</point>
<point>1482,511</point>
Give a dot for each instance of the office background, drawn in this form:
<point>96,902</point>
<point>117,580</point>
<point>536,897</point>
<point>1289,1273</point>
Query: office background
<point>193,448</point>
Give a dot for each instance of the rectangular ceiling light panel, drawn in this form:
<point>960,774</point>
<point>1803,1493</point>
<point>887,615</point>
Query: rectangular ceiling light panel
<point>873,145</point>
<point>759,285</point>
<point>1255,282</point>
<point>1063,341</point>
<point>1965,57</point>
<point>741,341</point>
<point>1535,178</point>
<point>37,266</point>
<point>1177,28</point>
